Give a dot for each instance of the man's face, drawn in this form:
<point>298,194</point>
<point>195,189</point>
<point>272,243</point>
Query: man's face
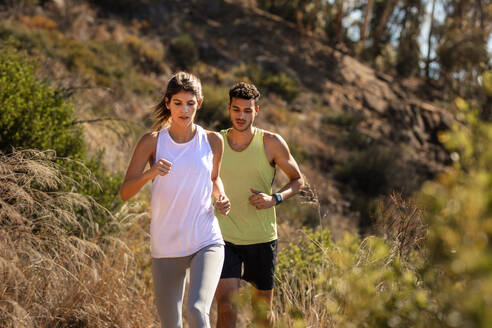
<point>242,113</point>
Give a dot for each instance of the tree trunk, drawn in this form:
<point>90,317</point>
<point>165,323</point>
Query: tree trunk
<point>338,21</point>
<point>429,41</point>
<point>299,20</point>
<point>388,10</point>
<point>365,23</point>
<point>479,5</point>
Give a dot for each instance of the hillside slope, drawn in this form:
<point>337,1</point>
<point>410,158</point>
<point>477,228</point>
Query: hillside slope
<point>346,112</point>
<point>358,133</point>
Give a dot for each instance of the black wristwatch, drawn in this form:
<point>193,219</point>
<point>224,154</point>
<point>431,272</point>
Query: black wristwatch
<point>278,198</point>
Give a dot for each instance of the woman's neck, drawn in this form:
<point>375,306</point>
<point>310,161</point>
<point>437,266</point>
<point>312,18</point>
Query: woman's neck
<point>182,134</point>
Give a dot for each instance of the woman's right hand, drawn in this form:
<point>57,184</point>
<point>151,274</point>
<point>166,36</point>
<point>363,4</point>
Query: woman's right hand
<point>161,167</point>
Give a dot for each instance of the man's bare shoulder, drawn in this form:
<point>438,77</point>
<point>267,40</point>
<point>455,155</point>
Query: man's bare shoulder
<point>273,140</point>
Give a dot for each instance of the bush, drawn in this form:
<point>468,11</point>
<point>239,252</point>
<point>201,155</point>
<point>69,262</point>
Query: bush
<point>147,55</point>
<point>459,211</point>
<point>106,64</point>
<point>36,116</point>
<point>57,270</point>
<point>33,115</point>
<point>125,6</point>
<point>184,51</point>
<point>350,283</point>
<point>214,111</point>
<point>38,21</point>
<point>270,81</point>
<point>371,171</point>
<point>343,119</point>
<point>280,84</point>
<point>415,277</point>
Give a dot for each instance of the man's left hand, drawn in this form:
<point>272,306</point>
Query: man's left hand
<point>261,200</point>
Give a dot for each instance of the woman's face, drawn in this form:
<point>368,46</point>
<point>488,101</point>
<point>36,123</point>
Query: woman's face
<point>183,107</point>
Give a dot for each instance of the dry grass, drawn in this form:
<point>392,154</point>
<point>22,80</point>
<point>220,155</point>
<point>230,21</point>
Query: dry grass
<point>57,269</point>
<point>400,222</point>
<point>327,283</point>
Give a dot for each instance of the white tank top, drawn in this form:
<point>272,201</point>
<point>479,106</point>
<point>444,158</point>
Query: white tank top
<point>183,219</point>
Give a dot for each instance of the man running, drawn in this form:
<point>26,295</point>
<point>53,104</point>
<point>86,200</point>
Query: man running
<point>250,230</point>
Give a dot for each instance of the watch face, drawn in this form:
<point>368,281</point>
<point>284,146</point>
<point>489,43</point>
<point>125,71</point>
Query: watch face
<point>278,198</point>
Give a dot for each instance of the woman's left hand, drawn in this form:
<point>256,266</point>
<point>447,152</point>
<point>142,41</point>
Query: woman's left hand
<point>223,204</point>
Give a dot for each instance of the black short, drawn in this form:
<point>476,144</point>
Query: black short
<point>259,263</point>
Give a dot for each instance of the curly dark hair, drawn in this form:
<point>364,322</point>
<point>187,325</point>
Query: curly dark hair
<point>244,90</point>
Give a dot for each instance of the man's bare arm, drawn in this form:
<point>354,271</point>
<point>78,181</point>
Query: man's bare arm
<point>279,150</point>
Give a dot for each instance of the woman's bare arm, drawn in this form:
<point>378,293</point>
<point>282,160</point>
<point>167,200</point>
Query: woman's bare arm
<point>136,177</point>
<point>217,145</point>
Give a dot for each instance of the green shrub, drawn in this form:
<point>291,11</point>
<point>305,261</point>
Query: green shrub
<point>214,111</point>
<point>107,64</point>
<point>375,282</point>
<point>370,171</point>
<point>126,6</point>
<point>250,72</point>
<point>281,84</point>
<point>184,51</point>
<point>350,283</point>
<point>36,116</point>
<point>146,54</point>
<point>357,140</point>
<point>349,121</point>
<point>343,119</point>
<point>459,210</point>
<point>270,81</point>
<point>33,114</point>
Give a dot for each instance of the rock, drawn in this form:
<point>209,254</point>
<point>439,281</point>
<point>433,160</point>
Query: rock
<point>385,77</point>
<point>374,102</point>
<point>60,4</point>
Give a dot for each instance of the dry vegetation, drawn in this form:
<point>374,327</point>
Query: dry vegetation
<point>56,270</point>
<point>326,283</point>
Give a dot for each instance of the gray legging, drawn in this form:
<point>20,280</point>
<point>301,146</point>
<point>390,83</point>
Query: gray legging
<point>169,282</point>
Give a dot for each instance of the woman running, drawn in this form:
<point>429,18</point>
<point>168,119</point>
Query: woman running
<point>184,162</point>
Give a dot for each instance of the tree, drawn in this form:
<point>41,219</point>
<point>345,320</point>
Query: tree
<point>429,40</point>
<point>408,53</point>
<point>338,21</point>
<point>462,49</point>
<point>382,23</point>
<point>365,23</point>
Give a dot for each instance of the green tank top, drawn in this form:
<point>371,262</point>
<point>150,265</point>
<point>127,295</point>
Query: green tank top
<point>240,172</point>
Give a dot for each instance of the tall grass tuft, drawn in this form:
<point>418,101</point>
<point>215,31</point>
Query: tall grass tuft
<point>56,268</point>
<point>401,222</point>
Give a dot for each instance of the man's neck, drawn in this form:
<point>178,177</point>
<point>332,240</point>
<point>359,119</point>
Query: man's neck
<point>240,140</point>
<point>241,137</point>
